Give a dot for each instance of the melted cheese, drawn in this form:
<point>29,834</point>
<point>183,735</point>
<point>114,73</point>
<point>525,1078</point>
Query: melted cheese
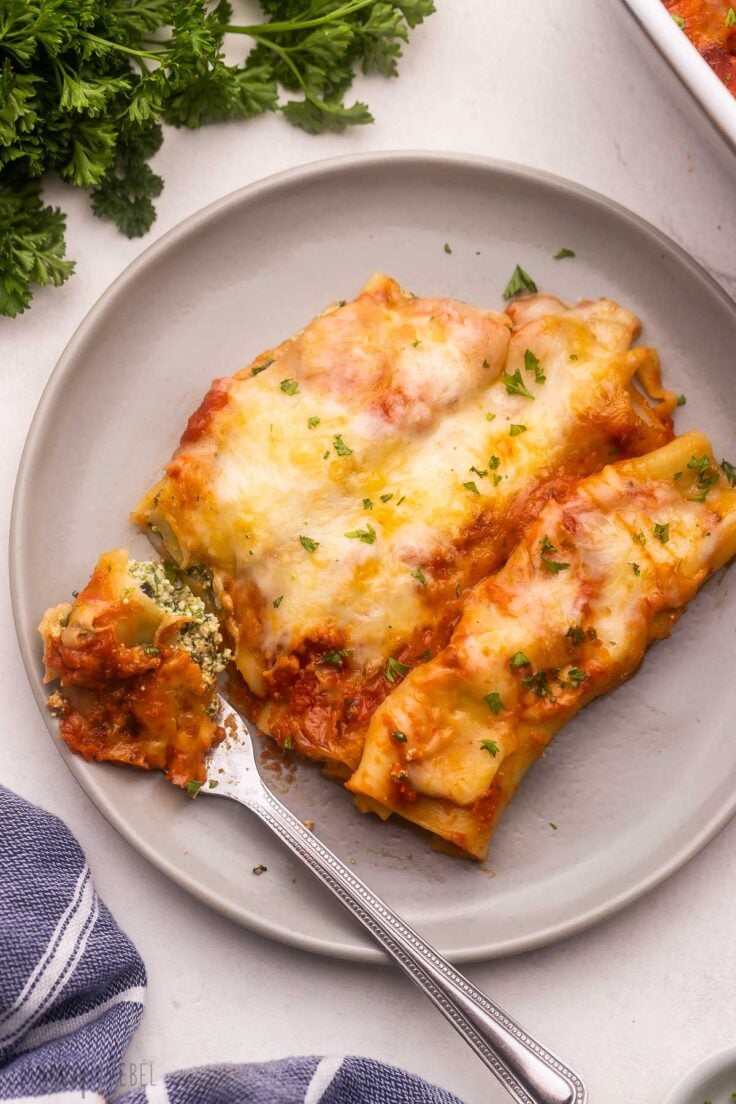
<point>595,579</point>
<point>349,485</point>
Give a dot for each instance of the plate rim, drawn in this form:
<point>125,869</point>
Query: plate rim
<point>693,1080</point>
<point>84,772</point>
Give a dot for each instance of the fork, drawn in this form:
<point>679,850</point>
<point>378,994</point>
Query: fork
<point>530,1073</point>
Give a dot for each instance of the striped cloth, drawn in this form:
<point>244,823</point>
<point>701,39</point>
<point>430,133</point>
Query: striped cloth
<point>72,987</point>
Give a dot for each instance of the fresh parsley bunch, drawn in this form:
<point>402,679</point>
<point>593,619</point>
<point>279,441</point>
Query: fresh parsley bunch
<point>86,84</point>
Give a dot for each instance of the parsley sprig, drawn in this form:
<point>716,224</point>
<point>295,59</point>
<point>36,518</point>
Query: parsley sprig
<point>86,84</point>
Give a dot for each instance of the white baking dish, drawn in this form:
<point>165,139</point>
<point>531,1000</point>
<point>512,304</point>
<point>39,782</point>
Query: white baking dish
<point>675,47</point>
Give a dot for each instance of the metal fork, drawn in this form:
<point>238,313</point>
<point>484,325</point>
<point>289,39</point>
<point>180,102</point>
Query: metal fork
<point>530,1073</point>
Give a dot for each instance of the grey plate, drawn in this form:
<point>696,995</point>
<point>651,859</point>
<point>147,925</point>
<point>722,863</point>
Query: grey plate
<point>712,1081</point>
<point>637,784</point>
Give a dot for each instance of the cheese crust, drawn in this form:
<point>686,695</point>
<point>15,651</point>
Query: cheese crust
<point>595,579</point>
<point>348,487</point>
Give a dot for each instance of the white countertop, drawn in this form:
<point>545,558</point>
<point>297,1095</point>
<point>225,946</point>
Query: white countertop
<point>559,84</point>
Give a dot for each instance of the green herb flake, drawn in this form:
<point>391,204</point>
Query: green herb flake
<point>679,21</point>
<point>400,500</point>
<point>561,254</point>
<point>367,504</point>
<point>193,787</point>
<point>531,363</point>
<point>681,400</point>
<point>640,538</point>
<point>340,447</point>
<point>573,356</point>
<point>576,676</point>
<point>309,544</point>
<point>261,367</point>
<point>538,683</point>
<point>289,386</point>
<point>635,568</point>
<point>729,470</point>
<point>553,826</point>
<point>494,703</point>
<point>662,532</point>
<point>277,601</point>
<point>447,248</point>
<point>396,670</point>
<point>520,281</point>
<point>212,784</point>
<point>731,22</point>
<point>471,486</point>
<point>490,746</point>
<point>367,536</point>
<point>515,430</point>
<point>555,566</point>
<point>313,422</point>
<point>519,659</point>
<point>415,342</point>
<point>546,544</point>
<point>458,590</point>
<point>335,658</point>
<point>398,736</point>
<point>485,364</point>
<point>490,417</point>
<point>419,575</point>
<point>259,869</point>
<point>515,384</point>
<point>386,497</point>
<point>575,635</point>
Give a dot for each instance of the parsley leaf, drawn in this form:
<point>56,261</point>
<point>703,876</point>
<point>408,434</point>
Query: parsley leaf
<point>277,601</point>
<point>261,367</point>
<point>313,422</point>
<point>309,544</point>
<point>520,281</point>
<point>515,384</point>
<point>494,703</point>
<point>515,430</point>
<point>562,253</point>
<point>731,17</point>
<point>490,746</point>
<point>518,659</point>
<point>419,575</point>
<point>367,536</point>
<point>193,787</point>
<point>662,532</point>
<point>554,565</point>
<point>531,363</point>
<point>289,386</point>
<point>335,658</point>
<point>395,670</point>
<point>729,470</point>
<point>340,447</point>
<point>472,487</point>
<point>398,736</point>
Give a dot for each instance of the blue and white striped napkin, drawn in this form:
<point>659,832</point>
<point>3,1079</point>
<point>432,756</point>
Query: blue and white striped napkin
<point>72,987</point>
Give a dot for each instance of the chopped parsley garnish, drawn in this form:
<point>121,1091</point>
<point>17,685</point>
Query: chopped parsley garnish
<point>496,480</point>
<point>576,675</point>
<point>419,575</point>
<point>427,654</point>
<point>520,281</point>
<point>386,497</point>
<point>193,787</point>
<point>731,22</point>
<point>64,621</point>
<point>262,367</point>
<point>662,532</point>
<point>573,356</point>
<point>482,472</point>
<point>707,475</point>
<point>485,363</point>
<point>277,601</point>
<point>260,869</point>
<point>515,430</point>
<point>396,670</point>
<point>309,544</point>
<point>313,422</point>
<point>518,659</point>
<point>640,538</point>
<point>212,784</point>
<point>681,400</point>
<point>515,384</point>
<point>555,566</point>
<point>458,590</point>
<point>340,447</point>
<point>335,658</point>
<point>151,649</point>
<point>677,475</point>
<point>538,683</point>
<point>679,21</point>
<point>553,826</point>
<point>400,500</point>
<point>471,486</point>
<point>490,746</point>
<point>490,417</point>
<point>367,536</point>
<point>531,363</point>
<point>447,248</point>
<point>289,386</point>
<point>635,568</point>
<point>398,736</point>
<point>562,253</point>
<point>546,544</point>
<point>729,470</point>
<point>415,342</point>
<point>575,635</point>
<point>494,703</point>
<point>367,504</point>
<point>493,463</point>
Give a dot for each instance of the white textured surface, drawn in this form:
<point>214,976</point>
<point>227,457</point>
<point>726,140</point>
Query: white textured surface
<point>632,1003</point>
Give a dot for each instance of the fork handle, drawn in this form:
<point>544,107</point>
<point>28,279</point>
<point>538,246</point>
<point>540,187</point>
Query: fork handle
<point>530,1073</point>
